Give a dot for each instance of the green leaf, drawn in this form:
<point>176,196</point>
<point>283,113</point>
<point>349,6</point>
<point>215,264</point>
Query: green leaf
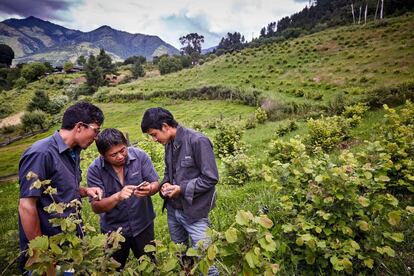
<point>386,250</point>
<point>394,218</point>
<point>310,259</point>
<point>55,249</point>
<point>149,248</point>
<point>265,222</point>
<point>268,246</point>
<point>319,178</point>
<point>169,265</point>
<point>363,225</point>
<point>398,237</point>
<point>355,245</point>
<point>40,243</point>
<point>191,252</point>
<point>231,235</point>
<point>251,259</point>
<point>211,252</point>
<point>299,241</point>
<point>383,178</point>
<point>363,201</point>
<point>410,209</point>
<point>369,263</point>
<point>368,175</point>
<point>243,217</point>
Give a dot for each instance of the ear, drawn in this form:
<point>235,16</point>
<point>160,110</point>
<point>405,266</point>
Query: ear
<point>165,127</point>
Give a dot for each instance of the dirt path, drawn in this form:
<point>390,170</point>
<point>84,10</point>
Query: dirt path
<point>12,120</point>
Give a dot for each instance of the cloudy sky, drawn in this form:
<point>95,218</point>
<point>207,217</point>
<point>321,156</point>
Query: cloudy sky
<point>168,19</point>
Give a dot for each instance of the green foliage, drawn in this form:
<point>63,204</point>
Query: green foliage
<point>354,113</point>
<point>340,215</point>
<point>239,169</point>
<point>32,71</point>
<point>227,140</point>
<point>105,62</point>
<point>81,60</point>
<point>327,132</point>
<point>20,83</point>
<point>261,115</point>
<point>94,73</point>
<point>39,101</point>
<point>155,151</point>
<point>34,120</point>
<point>285,128</point>
<point>137,70</point>
<point>134,59</point>
<point>88,254</point>
<point>57,103</point>
<point>169,64</point>
<point>250,122</point>
<point>5,109</point>
<point>68,66</point>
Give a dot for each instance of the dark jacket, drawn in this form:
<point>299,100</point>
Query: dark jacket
<point>190,163</point>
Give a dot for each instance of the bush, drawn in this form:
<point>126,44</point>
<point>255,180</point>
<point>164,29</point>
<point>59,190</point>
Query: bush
<point>227,140</point>
<point>5,109</point>
<point>285,151</point>
<point>20,83</point>
<point>354,113</point>
<point>169,64</point>
<point>57,103</point>
<point>32,71</point>
<point>391,96</point>
<point>250,122</point>
<point>285,128</point>
<point>239,169</point>
<point>327,132</point>
<point>34,120</point>
<point>39,101</point>
<point>260,115</point>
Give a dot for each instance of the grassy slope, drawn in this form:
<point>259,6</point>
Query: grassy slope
<point>348,59</point>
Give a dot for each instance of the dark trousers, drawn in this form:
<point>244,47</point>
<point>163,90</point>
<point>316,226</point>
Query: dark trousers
<point>137,245</point>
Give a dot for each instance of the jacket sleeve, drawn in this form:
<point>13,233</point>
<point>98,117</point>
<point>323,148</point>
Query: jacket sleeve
<point>166,163</point>
<point>206,162</point>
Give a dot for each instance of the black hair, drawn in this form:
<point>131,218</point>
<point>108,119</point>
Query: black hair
<point>108,138</point>
<point>82,112</point>
<point>155,117</point>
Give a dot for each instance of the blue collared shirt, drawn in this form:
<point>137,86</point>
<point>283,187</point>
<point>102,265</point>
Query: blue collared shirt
<point>51,159</point>
<point>135,213</point>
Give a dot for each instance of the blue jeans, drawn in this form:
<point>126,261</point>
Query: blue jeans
<point>181,231</point>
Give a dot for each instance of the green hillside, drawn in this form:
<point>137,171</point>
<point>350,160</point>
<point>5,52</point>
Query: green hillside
<point>349,60</point>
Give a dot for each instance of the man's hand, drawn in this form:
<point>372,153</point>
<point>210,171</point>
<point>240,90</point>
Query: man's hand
<point>126,192</point>
<point>94,192</point>
<point>170,191</point>
<point>148,189</point>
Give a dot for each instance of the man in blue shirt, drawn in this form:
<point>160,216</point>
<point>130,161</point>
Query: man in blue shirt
<point>56,158</point>
<point>190,176</point>
<point>118,172</point>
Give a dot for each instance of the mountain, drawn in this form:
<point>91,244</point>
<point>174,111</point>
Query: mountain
<point>33,39</point>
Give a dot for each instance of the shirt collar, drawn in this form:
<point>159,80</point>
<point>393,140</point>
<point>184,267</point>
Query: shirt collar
<point>62,146</point>
<point>179,136</point>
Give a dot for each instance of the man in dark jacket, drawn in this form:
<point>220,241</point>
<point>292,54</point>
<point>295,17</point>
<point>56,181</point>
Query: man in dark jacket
<point>190,175</point>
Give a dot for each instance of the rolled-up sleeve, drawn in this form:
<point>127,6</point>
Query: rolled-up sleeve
<point>206,163</point>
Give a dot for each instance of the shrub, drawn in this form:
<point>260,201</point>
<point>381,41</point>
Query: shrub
<point>285,128</point>
<point>354,113</point>
<point>5,109</point>
<point>327,132</point>
<point>20,83</point>
<point>169,64</point>
<point>57,103</point>
<point>261,115</point>
<point>227,140</point>
<point>36,119</point>
<point>33,71</point>
<point>239,169</point>
<point>285,151</point>
<point>250,122</point>
<point>39,101</point>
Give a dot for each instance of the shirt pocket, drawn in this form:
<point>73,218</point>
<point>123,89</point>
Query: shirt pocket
<point>188,162</point>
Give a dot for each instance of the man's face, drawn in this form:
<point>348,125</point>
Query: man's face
<point>162,136</point>
<point>87,134</point>
<point>117,155</point>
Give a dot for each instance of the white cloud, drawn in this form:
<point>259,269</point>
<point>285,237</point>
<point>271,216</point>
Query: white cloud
<point>170,19</point>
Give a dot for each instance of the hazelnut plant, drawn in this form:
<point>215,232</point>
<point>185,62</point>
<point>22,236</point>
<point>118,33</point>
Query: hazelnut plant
<point>79,247</point>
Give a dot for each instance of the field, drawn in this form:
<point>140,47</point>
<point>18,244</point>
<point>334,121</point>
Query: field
<point>314,71</point>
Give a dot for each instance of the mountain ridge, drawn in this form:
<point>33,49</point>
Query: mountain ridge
<point>33,39</point>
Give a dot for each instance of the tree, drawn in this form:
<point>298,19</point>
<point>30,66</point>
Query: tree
<point>133,59</point>
<point>6,55</point>
<point>169,65</point>
<point>81,60</point>
<point>137,70</point>
<point>68,66</point>
<point>192,45</point>
<point>233,41</point>
<point>105,62</point>
<point>32,71</point>
<point>39,101</point>
<point>32,120</point>
<point>94,73</point>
